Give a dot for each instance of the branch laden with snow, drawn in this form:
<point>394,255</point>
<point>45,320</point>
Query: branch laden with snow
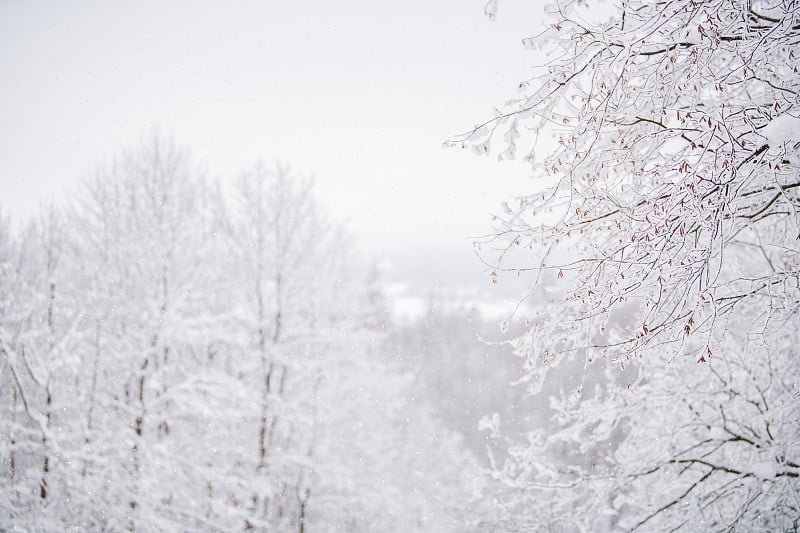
<point>674,161</point>
<point>665,232</point>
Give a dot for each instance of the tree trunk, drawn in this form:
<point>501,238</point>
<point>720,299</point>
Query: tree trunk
<point>46,461</point>
<point>139,429</point>
<point>87,440</point>
<point>12,460</point>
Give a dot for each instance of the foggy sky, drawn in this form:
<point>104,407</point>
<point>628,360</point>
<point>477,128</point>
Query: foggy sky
<point>359,94</point>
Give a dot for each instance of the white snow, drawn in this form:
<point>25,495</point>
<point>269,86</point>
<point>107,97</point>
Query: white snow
<point>782,129</point>
<point>490,423</point>
<point>490,9</point>
<point>692,35</point>
<point>765,470</point>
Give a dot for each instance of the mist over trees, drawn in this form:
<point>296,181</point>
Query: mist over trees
<point>666,219</point>
<point>173,359</point>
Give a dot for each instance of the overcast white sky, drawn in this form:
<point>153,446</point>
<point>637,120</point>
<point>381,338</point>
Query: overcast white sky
<point>360,94</point>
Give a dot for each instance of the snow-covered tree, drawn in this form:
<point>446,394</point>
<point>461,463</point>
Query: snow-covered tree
<point>142,239</point>
<point>665,137</point>
<point>332,426</point>
<point>40,333</point>
<point>174,359</point>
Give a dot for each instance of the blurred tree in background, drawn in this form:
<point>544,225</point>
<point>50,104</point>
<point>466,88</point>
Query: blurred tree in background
<point>172,359</point>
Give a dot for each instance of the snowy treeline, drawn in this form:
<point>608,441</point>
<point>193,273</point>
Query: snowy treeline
<point>173,358</point>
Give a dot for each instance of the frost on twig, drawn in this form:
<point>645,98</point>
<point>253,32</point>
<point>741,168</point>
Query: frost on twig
<point>664,232</point>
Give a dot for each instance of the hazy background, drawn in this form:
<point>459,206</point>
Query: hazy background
<point>359,94</point>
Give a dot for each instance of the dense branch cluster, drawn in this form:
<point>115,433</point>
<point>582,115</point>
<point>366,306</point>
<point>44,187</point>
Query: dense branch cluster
<point>666,232</point>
